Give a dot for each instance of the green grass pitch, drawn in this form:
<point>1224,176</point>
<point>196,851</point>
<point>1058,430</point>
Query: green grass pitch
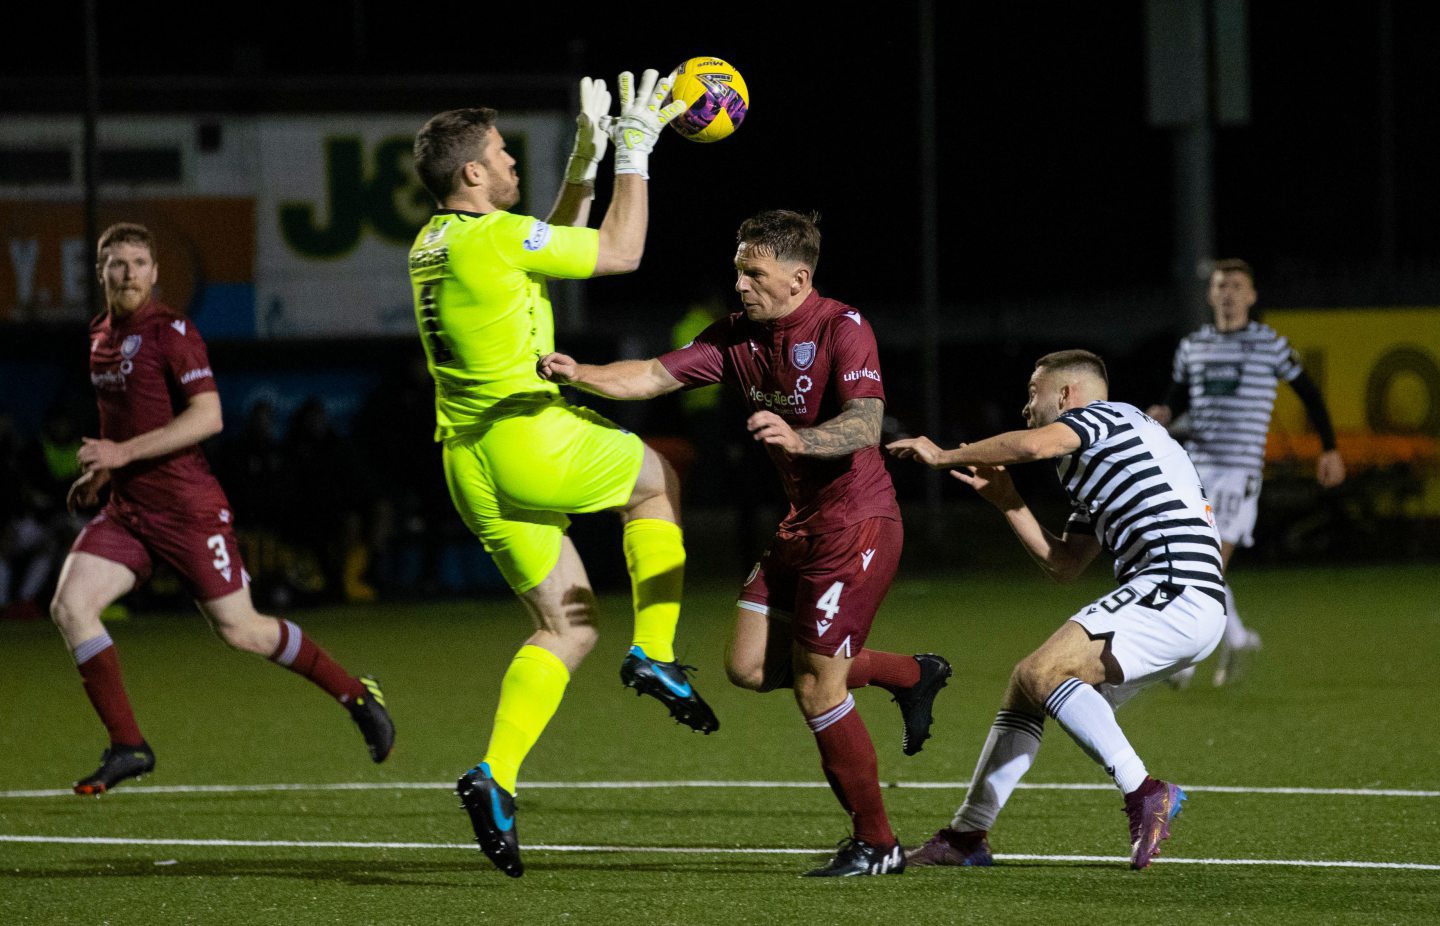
<point>1343,696</point>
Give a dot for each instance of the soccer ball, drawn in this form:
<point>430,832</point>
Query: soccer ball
<point>718,99</point>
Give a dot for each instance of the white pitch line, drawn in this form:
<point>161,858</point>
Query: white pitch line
<point>676,850</point>
<point>658,785</point>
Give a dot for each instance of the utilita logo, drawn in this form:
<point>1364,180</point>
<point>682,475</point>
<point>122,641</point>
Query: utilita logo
<point>794,403</point>
<point>853,375</point>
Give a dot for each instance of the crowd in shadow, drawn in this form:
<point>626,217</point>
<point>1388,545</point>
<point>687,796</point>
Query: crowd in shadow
<point>322,514</point>
<point>355,509</point>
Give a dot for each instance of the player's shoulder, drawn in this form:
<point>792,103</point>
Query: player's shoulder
<point>1206,332</point>
<point>1107,409</point>
<point>1106,416</point>
<point>170,324</point>
<point>729,329</point>
<point>1259,331</point>
<point>840,316</point>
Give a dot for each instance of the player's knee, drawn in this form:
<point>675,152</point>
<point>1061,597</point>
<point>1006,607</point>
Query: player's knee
<point>1036,676</point>
<point>580,637</point>
<point>62,612</point>
<point>815,696</point>
<point>745,674</point>
<point>256,634</point>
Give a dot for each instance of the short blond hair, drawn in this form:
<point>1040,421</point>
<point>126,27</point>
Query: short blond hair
<point>1080,360</point>
<point>125,233</point>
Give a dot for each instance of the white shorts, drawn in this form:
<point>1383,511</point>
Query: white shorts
<point>1235,499</point>
<point>1156,628</point>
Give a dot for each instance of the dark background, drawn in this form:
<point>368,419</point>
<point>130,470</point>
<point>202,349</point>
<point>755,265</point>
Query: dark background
<point>1052,184</point>
<point>1056,197</point>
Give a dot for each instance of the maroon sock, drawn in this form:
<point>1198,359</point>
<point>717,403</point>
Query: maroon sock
<point>891,671</point>
<point>99,667</point>
<point>848,758</point>
<point>300,655</point>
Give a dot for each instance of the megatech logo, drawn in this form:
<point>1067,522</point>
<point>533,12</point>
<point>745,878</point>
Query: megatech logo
<point>793,403</point>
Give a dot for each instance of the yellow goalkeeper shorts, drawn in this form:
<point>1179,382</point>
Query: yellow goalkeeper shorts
<point>514,482</point>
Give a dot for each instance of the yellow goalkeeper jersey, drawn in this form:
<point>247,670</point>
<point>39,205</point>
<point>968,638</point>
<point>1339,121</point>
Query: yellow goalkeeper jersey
<point>483,310</point>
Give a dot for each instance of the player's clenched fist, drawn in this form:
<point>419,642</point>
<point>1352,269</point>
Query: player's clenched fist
<point>557,368</point>
<point>84,494</point>
<point>769,428</point>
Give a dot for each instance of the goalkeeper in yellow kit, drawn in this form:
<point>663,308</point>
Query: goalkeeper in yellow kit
<point>517,456</point>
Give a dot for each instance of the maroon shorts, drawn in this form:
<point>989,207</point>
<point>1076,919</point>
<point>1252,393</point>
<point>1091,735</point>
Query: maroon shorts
<point>199,544</point>
<point>828,585</point>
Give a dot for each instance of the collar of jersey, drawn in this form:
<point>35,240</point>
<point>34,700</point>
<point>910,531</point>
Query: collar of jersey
<point>802,312</point>
<point>473,215</point>
<point>134,318</point>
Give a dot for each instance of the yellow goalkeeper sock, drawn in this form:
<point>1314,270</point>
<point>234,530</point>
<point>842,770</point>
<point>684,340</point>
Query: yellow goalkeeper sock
<point>655,557</point>
<point>529,694</point>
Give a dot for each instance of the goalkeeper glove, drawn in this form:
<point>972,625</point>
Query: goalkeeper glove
<point>590,137</point>
<point>641,118</point>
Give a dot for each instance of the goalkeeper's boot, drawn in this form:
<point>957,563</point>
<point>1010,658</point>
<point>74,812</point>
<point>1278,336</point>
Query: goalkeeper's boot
<point>1150,809</point>
<point>669,684</point>
<point>969,848</point>
<point>916,701</point>
<point>857,858</point>
<point>369,713</point>
<point>492,814</point>
<point>117,763</point>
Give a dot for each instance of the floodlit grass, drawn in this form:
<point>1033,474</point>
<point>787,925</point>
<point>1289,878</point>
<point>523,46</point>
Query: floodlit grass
<point>1342,696</point>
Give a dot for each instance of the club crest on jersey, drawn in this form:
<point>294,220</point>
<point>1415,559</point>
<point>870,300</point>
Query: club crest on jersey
<point>130,346</point>
<point>539,235</point>
<point>802,355</point>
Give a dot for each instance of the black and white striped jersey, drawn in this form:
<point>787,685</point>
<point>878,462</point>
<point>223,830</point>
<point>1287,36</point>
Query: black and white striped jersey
<point>1133,486</point>
<point>1232,378</point>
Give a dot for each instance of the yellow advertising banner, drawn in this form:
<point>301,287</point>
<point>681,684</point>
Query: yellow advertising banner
<point>1379,370</point>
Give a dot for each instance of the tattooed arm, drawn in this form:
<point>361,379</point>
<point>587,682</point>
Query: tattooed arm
<point>856,427</point>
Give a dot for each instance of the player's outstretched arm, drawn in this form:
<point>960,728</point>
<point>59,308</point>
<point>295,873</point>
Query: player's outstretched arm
<point>856,427</point>
<point>634,133</point>
<point>623,379</point>
<point>572,205</point>
<point>1063,558</point>
<point>198,420</point>
<point>1053,440</point>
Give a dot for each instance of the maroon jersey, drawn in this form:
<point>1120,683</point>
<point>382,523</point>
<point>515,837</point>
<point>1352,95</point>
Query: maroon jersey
<point>144,369</point>
<point>803,367</point>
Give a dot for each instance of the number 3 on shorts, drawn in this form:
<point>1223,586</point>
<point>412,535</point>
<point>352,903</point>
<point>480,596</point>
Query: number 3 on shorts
<point>217,545</point>
<point>830,601</point>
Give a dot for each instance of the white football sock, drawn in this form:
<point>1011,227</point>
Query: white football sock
<point>1090,721</point>
<point>1235,634</point>
<point>1008,754</point>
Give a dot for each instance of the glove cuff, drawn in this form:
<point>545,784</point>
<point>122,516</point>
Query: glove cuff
<point>581,169</point>
<point>629,161</point>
